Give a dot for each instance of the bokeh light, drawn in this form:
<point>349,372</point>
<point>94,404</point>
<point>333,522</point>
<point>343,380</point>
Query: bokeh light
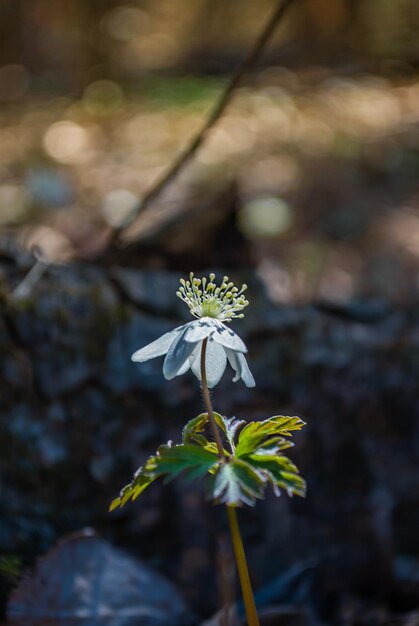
<point>14,203</point>
<point>265,217</point>
<point>103,98</point>
<point>67,142</point>
<point>118,206</point>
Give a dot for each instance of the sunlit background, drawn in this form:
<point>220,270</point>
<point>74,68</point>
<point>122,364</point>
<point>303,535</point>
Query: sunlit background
<point>322,141</point>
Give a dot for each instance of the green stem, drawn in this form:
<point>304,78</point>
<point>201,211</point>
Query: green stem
<point>248,599</point>
<point>207,400</point>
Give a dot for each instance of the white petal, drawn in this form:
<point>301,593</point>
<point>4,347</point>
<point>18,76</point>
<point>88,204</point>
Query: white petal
<point>215,362</point>
<point>228,338</point>
<point>177,355</point>
<point>200,329</point>
<point>235,363</point>
<point>156,348</point>
<point>185,367</point>
<point>246,374</point>
<point>195,356</point>
<point>239,364</point>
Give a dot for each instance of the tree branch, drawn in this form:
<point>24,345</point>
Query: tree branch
<point>217,112</point>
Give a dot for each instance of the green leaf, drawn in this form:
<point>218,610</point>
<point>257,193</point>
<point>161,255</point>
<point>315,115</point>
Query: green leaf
<point>281,473</point>
<point>189,458</point>
<point>134,489</point>
<point>267,435</point>
<point>237,482</point>
<point>286,424</point>
<point>254,462</point>
<point>195,426</point>
<point>169,461</point>
<point>193,430</point>
<point>229,426</point>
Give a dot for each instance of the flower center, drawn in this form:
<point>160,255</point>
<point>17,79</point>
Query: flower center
<point>205,299</point>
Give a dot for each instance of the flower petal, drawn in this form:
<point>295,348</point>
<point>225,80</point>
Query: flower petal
<point>215,362</point>
<point>239,364</point>
<point>200,329</point>
<point>185,367</point>
<point>227,337</point>
<point>246,374</point>
<point>156,348</point>
<point>235,363</point>
<point>177,355</point>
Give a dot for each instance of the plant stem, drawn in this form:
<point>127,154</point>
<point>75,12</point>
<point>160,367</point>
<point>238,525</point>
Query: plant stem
<point>208,404</point>
<point>248,599</point>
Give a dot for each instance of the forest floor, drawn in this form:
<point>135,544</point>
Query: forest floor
<point>324,167</point>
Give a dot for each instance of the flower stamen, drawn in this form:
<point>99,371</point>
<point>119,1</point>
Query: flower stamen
<point>205,299</point>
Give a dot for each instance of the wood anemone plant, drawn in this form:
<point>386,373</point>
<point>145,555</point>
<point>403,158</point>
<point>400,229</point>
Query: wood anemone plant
<point>238,460</point>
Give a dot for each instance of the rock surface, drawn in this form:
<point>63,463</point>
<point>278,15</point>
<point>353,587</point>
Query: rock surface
<point>84,580</point>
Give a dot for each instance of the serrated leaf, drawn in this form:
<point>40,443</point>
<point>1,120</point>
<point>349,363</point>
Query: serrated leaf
<point>230,427</point>
<point>173,460</point>
<point>193,430</point>
<point>254,462</point>
<point>286,424</point>
<point>169,461</point>
<point>134,489</point>
<point>194,427</point>
<point>281,472</point>
<point>269,434</point>
<point>237,482</point>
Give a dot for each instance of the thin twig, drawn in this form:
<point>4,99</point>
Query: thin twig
<point>25,287</point>
<point>217,112</point>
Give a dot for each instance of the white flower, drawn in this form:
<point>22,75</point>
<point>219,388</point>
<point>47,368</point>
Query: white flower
<point>182,346</point>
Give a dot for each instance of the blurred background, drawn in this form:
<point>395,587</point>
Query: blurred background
<point>321,142</point>
<point>307,189</point>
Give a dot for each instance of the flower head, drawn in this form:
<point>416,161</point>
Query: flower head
<point>182,346</point>
<point>205,299</point>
